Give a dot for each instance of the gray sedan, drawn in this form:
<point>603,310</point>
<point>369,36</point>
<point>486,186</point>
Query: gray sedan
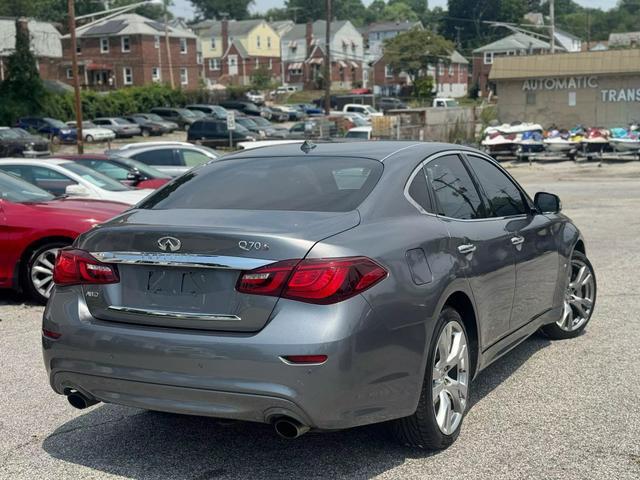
<point>317,287</point>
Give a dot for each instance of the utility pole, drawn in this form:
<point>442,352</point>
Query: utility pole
<point>552,19</point>
<point>168,44</point>
<point>327,67</point>
<point>76,75</point>
<point>458,30</point>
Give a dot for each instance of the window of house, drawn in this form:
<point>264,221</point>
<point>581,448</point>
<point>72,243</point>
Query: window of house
<point>104,45</point>
<point>155,74</point>
<point>184,76</point>
<point>127,76</point>
<point>213,42</point>
<point>214,64</point>
<point>268,42</point>
<point>388,71</point>
<point>440,69</point>
<point>156,41</point>
<point>125,43</point>
<point>488,58</point>
<point>258,41</point>
<point>69,74</point>
<point>451,69</point>
<point>183,45</point>
<point>270,63</point>
<point>79,46</point>
<point>344,46</point>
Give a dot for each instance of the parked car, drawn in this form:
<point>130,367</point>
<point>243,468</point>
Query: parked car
<point>390,103</point>
<point>214,133</point>
<point>215,111</point>
<point>56,130</point>
<point>362,133</point>
<point>39,225</point>
<point>357,119</point>
<point>249,124</point>
<point>270,130</point>
<point>62,177</point>
<point>283,90</point>
<point>148,127</point>
<point>182,116</point>
<point>293,113</point>
<point>93,133</point>
<point>172,158</point>
<point>121,127</point>
<point>360,91</point>
<point>445,103</point>
<point>310,109</point>
<point>366,110</point>
<point>255,97</point>
<point>278,114</point>
<point>15,142</point>
<point>248,108</point>
<point>152,117</point>
<point>350,284</point>
<point>127,171</point>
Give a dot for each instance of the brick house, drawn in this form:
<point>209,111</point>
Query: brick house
<point>451,78</point>
<point>45,45</point>
<point>303,54</point>
<point>130,49</point>
<point>377,33</point>
<point>233,50</point>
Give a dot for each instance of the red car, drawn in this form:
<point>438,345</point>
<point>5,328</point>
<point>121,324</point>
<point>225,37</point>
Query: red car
<point>34,225</point>
<point>127,171</point>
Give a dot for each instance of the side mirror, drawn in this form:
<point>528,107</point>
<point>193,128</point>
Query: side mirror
<point>134,176</point>
<point>75,190</point>
<point>547,202</point>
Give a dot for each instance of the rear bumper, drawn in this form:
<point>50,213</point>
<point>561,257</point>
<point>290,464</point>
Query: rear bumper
<point>372,374</point>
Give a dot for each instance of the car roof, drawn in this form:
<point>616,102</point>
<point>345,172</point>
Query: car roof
<point>384,150</point>
<point>38,162</point>
<point>83,156</point>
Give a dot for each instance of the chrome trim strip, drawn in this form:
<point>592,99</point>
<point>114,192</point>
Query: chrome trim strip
<point>182,260</point>
<point>177,315</point>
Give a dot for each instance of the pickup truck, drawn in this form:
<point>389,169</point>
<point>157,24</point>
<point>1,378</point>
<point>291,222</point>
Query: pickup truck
<point>445,103</point>
<point>366,110</point>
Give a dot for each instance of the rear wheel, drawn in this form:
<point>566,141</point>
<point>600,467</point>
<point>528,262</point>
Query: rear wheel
<point>579,300</point>
<point>88,139</point>
<point>445,391</point>
<point>37,273</point>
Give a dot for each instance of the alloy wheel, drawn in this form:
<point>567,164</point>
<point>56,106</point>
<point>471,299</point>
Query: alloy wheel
<point>42,272</point>
<point>579,296</point>
<point>450,378</point>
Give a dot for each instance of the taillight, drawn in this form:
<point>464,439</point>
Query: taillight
<point>322,281</point>
<point>76,267</point>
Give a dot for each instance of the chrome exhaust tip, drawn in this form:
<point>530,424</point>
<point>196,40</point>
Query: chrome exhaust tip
<point>289,428</point>
<point>80,401</point>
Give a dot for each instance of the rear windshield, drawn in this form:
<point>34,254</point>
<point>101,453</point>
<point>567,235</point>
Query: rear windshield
<point>304,183</point>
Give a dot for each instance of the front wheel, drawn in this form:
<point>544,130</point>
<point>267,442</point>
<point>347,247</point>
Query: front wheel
<point>445,391</point>
<point>37,273</point>
<point>88,139</point>
<point>579,300</point>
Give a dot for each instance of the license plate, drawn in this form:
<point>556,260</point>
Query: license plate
<point>163,282</point>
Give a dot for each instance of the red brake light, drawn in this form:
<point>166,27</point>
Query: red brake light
<point>304,359</point>
<point>322,281</point>
<point>76,267</point>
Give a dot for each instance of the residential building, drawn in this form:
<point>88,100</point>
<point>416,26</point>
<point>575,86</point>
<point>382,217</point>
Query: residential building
<point>303,54</point>
<point>591,88</point>
<point>45,45</point>
<point>450,78</point>
<point>624,40</point>
<point>232,50</point>
<point>376,33</point>
<point>130,49</point>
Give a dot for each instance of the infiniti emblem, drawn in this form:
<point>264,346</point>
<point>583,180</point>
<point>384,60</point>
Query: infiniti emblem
<point>171,244</point>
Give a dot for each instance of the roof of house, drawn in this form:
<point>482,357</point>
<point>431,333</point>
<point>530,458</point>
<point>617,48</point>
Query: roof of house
<point>45,39</point>
<point>515,41</point>
<point>130,24</point>
<point>299,30</point>
<point>456,57</point>
<point>393,26</point>
<point>235,28</point>
<point>566,64</point>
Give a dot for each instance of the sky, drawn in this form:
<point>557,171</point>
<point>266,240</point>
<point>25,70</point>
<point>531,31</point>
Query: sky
<point>183,8</point>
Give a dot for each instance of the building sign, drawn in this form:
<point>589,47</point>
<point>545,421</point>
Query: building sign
<point>620,95</point>
<point>559,83</point>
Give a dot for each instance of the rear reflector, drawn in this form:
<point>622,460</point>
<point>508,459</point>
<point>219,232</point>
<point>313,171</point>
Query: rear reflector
<point>51,334</point>
<point>322,281</point>
<point>77,267</point>
<point>304,359</point>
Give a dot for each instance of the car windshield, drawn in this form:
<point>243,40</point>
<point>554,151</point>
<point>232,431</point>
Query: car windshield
<point>21,132</point>
<point>198,113</point>
<point>451,103</point>
<point>242,129</point>
<point>357,134</point>
<point>154,117</point>
<point>95,178</point>
<point>55,123</point>
<point>219,110</point>
<point>210,151</point>
<point>262,122</point>
<point>122,121</point>
<point>370,109</point>
<point>318,184</point>
<point>19,191</point>
<point>186,113</point>
<point>144,169</point>
<point>247,122</point>
<point>358,121</point>
<point>9,134</point>
<point>89,125</point>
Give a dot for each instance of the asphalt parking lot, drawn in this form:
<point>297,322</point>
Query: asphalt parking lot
<point>547,410</point>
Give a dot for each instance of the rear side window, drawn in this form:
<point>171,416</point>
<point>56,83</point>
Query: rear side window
<point>455,192</point>
<point>504,197</point>
<point>162,156</point>
<point>418,191</point>
<point>318,184</point>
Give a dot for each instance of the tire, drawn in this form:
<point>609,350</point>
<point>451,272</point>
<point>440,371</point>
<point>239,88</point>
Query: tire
<point>579,303</point>
<point>145,132</point>
<point>423,428</point>
<point>88,139</point>
<point>40,258</point>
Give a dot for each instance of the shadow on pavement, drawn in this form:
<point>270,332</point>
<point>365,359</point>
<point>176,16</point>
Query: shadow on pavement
<point>148,445</point>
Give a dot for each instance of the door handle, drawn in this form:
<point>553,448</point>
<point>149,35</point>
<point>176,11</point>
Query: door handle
<point>466,249</point>
<point>517,240</point>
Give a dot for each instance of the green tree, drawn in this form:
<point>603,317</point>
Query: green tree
<point>262,79</point>
<point>22,91</point>
<point>399,12</point>
<point>414,51</point>
<point>352,10</point>
<point>236,9</point>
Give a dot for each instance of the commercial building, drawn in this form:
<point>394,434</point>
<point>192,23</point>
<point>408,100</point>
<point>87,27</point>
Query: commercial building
<point>600,88</point>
